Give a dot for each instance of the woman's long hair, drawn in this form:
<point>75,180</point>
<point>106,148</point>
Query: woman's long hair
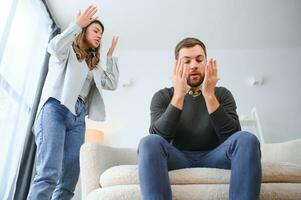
<point>91,55</point>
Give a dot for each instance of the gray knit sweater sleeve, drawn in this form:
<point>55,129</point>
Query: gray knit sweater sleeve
<point>164,116</point>
<point>225,119</point>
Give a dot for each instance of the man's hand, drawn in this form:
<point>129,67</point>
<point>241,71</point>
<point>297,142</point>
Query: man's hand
<point>85,18</point>
<point>210,79</point>
<point>113,45</point>
<point>179,81</point>
<point>209,84</point>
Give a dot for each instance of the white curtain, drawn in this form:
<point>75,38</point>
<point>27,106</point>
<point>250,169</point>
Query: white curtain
<point>21,62</point>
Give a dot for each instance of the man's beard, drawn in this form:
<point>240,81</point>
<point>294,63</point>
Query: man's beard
<point>193,83</point>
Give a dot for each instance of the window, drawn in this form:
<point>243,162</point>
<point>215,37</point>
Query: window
<point>5,17</point>
<point>21,64</point>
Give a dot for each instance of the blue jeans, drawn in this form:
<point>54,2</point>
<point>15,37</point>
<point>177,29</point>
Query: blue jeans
<point>58,135</point>
<point>240,153</point>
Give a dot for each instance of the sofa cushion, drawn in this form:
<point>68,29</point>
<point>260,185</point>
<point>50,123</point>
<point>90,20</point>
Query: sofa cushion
<point>271,173</point>
<point>287,191</point>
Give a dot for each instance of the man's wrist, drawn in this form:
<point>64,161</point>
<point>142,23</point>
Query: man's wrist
<point>211,102</point>
<point>178,101</point>
<point>209,96</point>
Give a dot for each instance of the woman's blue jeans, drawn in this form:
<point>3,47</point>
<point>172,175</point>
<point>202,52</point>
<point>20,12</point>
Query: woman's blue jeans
<point>240,153</point>
<point>58,136</point>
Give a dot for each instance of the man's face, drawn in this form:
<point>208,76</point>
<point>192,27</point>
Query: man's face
<point>194,58</point>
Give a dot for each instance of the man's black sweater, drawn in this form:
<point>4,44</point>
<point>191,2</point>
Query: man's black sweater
<point>193,128</point>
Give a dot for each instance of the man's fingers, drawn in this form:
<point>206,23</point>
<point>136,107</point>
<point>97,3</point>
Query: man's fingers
<point>210,67</point>
<point>211,71</point>
<point>185,72</point>
<point>214,68</point>
<point>174,72</point>
<point>183,69</point>
<point>180,68</point>
<point>207,70</point>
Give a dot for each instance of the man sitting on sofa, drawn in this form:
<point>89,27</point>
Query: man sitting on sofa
<point>195,124</point>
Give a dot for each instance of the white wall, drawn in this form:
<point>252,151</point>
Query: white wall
<point>277,100</point>
<point>157,25</point>
<point>248,38</point>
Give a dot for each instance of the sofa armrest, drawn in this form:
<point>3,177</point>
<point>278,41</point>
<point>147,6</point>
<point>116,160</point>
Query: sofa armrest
<point>96,158</point>
<point>282,152</point>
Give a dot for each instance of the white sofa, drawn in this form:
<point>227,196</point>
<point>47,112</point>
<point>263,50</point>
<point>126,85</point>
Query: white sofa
<point>111,174</point>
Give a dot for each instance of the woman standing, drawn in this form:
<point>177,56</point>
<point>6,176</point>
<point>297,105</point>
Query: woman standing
<point>73,89</point>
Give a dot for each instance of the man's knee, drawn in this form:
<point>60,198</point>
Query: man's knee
<point>150,143</point>
<point>247,140</point>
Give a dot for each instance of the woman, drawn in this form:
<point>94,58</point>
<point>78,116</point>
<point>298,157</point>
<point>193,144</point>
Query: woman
<point>73,89</point>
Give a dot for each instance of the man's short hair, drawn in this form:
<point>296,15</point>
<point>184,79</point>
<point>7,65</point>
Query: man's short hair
<point>188,43</point>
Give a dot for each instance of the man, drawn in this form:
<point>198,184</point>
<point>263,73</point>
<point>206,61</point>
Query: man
<point>195,124</point>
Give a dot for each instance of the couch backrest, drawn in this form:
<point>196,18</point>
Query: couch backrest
<point>289,151</point>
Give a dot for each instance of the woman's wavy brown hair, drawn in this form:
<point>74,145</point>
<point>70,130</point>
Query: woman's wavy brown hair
<point>91,55</point>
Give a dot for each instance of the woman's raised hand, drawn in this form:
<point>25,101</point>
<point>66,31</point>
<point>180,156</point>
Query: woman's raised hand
<point>83,19</point>
<point>113,45</point>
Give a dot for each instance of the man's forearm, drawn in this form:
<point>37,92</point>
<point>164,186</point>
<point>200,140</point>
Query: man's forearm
<point>165,124</point>
<point>211,103</point>
<point>177,102</point>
